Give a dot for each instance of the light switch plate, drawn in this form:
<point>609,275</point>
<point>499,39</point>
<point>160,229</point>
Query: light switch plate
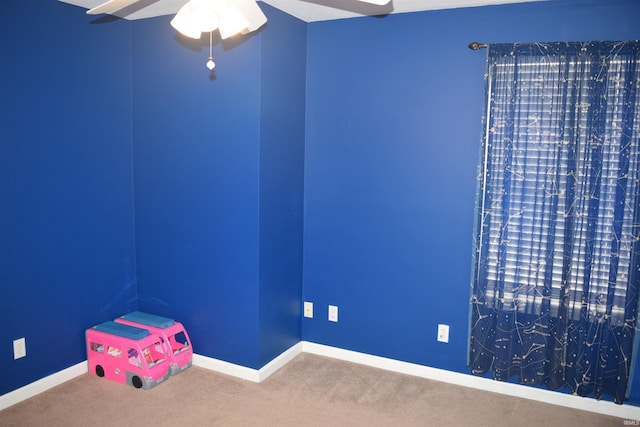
<point>333,313</point>
<point>308,309</point>
<point>19,348</point>
<point>443,333</point>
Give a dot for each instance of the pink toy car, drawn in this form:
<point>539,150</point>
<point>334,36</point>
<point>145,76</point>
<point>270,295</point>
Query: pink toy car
<point>126,354</point>
<point>173,335</point>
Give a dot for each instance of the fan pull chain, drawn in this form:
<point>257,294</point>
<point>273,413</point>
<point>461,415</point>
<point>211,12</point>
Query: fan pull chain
<point>210,64</point>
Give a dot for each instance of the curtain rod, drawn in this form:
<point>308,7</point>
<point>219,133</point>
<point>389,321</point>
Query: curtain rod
<point>476,45</point>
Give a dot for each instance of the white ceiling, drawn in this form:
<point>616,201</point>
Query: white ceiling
<point>306,10</point>
<point>324,10</point>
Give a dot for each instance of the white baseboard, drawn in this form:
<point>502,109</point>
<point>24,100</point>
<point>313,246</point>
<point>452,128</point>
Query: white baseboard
<point>628,412</point>
<point>225,368</point>
<point>267,370</point>
<point>44,384</point>
<point>255,375</point>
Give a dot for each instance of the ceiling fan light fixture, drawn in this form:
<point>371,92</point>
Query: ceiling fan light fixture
<point>207,18</point>
<point>197,17</point>
<point>253,13</point>
<point>229,17</point>
<point>186,22</point>
<point>232,22</point>
<point>185,29</point>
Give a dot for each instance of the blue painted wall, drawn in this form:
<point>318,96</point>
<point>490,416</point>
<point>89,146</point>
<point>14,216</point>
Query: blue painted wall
<point>218,185</point>
<point>67,257</point>
<point>385,113</point>
<point>394,109</point>
<point>282,118</point>
<point>196,156</point>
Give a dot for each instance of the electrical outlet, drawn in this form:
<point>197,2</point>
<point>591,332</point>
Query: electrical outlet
<point>308,309</point>
<point>443,333</point>
<point>19,348</point>
<point>333,313</point>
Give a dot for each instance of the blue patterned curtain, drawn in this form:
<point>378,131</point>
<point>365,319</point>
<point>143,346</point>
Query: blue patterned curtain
<point>557,262</point>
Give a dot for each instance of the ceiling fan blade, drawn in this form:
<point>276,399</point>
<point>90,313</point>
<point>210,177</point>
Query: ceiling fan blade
<point>378,2</point>
<point>252,12</point>
<point>110,7</point>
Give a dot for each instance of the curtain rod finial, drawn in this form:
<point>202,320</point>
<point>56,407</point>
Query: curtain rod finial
<point>476,45</point>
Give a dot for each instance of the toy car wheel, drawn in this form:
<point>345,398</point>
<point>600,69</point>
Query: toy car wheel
<point>136,381</point>
<point>99,371</point>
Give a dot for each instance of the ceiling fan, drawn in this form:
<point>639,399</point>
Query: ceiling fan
<point>194,17</point>
<point>140,9</point>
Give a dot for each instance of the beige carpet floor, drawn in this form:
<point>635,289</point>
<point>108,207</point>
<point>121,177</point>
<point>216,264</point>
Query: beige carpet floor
<point>309,391</point>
